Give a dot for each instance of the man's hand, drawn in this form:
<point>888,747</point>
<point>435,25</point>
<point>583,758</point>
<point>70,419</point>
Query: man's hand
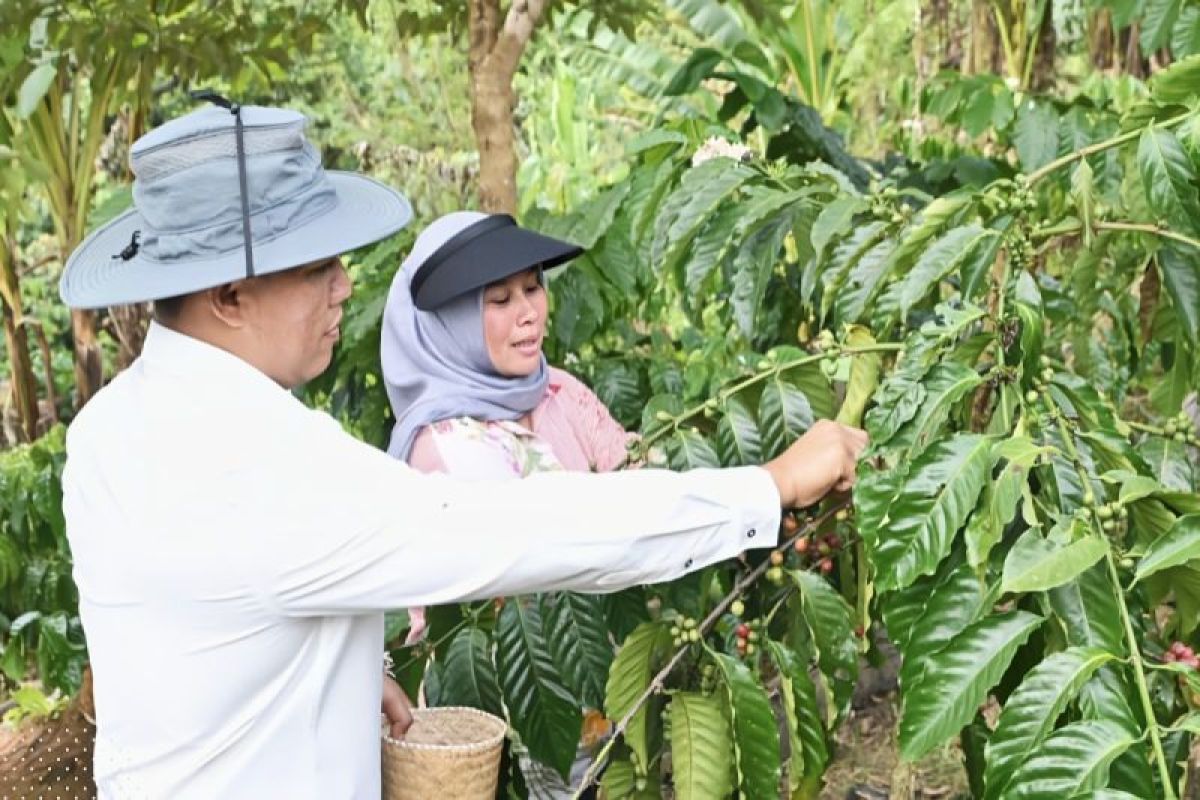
<point>396,707</point>
<point>823,459</point>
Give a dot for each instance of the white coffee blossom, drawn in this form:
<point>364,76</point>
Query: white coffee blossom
<point>717,147</point>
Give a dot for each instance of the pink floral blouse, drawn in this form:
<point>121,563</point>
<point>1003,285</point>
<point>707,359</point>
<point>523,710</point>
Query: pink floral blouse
<point>571,429</point>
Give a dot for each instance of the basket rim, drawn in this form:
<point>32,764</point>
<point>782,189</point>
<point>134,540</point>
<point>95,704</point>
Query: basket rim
<point>485,744</point>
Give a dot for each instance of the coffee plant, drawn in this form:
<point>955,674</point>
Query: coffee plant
<point>39,618</point>
<point>1021,344</point>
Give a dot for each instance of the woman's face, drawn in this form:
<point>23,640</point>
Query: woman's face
<point>514,322</point>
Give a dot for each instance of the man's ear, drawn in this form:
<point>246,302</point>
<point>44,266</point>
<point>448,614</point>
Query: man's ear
<point>227,303</point>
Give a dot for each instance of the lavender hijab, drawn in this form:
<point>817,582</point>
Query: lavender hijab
<point>435,363</point>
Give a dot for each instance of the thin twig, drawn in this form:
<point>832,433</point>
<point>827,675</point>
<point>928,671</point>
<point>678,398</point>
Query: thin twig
<point>1125,227</point>
<point>1100,147</point>
<point>657,683</point>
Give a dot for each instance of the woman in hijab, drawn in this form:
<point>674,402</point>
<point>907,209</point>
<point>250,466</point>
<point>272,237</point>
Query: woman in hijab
<point>471,390</point>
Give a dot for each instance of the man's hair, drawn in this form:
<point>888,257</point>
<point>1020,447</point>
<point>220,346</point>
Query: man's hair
<point>167,309</point>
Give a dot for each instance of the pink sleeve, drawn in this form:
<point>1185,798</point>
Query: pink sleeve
<point>602,436</point>
<point>424,456</point>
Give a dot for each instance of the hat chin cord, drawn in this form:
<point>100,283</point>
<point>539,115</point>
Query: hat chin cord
<point>236,110</point>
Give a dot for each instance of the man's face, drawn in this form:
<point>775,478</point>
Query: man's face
<point>294,319</point>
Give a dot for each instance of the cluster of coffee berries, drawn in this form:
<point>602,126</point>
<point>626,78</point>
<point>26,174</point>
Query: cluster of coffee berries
<point>1180,429</point>
<point>1180,653</point>
<point>1111,516</point>
<point>685,632</point>
<point>744,638</point>
<point>819,550</point>
<point>774,573</point>
<point>1040,381</point>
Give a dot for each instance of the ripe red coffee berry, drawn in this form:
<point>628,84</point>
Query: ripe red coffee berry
<point>801,545</point>
<point>834,541</point>
<point>742,630</point>
<point>790,524</point>
<point>826,565</point>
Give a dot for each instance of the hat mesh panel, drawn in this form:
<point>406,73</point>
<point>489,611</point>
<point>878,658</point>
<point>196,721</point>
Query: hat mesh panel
<point>161,161</point>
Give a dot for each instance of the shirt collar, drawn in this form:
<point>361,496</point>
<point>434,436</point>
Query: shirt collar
<point>171,351</point>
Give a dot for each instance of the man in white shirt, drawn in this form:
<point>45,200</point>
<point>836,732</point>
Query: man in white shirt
<point>235,550</point>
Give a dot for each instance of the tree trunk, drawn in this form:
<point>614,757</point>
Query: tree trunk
<point>129,325</point>
<point>1041,78</point>
<point>987,56</point>
<point>89,366</point>
<point>495,52</point>
<point>24,386</point>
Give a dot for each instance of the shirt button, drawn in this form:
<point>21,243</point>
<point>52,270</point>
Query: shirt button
<point>750,533</point>
<point>687,564</point>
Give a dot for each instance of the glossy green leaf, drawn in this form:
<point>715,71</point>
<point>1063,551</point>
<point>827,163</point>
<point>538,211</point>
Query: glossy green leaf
<point>687,449</point>
<point>784,415</point>
<point>1158,18</point>
<point>943,257</point>
<point>957,679</point>
<point>468,677</point>
<point>810,749</point>
<point>864,377</point>
<point>861,242</point>
<point>1088,609</point>
<point>579,642</point>
<point>1169,179</point>
<point>939,492</point>
<point>701,758</point>
<point>1036,563</point>
<point>700,192</point>
<point>755,735</point>
<point>945,385</point>
<point>636,662</point>
<point>1074,759</point>
<point>834,221</point>
<point>1180,545</point>
<point>940,212</point>
<point>1001,497</point>
<point>864,282</point>
<point>1036,136</point>
<point>752,268</point>
<point>542,710</point>
<point>829,621</point>
<point>1031,711</point>
<point>952,605</point>
<point>738,439</point>
<point>1177,82</point>
<point>1180,267</point>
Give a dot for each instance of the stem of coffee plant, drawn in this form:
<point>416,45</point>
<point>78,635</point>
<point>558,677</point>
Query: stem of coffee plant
<point>656,684</point>
<point>729,391</point>
<point>1135,655</point>
<point>1128,227</point>
<point>1100,147</point>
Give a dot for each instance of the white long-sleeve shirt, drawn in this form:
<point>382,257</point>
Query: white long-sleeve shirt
<point>234,552</point>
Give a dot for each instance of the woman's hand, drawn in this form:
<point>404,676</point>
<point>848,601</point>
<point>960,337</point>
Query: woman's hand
<point>822,460</point>
<point>396,707</point>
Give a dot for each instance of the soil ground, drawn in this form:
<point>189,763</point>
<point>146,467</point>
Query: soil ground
<point>864,765</point>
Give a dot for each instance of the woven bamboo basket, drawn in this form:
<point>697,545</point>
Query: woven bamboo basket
<point>447,752</point>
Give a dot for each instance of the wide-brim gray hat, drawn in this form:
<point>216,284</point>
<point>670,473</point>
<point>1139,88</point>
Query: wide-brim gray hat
<point>185,231</point>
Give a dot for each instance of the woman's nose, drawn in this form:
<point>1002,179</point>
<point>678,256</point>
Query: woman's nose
<point>342,287</point>
<point>528,310</point>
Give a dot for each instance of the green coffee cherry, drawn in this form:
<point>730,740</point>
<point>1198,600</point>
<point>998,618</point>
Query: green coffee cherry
<point>737,607</point>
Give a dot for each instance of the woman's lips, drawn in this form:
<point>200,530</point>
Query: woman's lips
<point>529,347</point>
